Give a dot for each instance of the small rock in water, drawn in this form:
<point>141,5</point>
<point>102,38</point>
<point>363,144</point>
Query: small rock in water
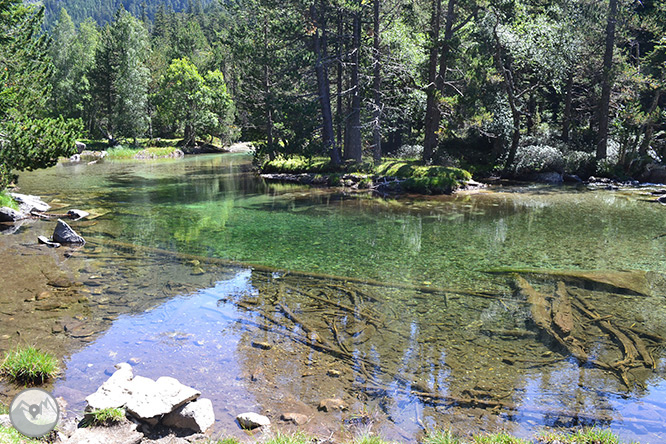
<point>332,405</point>
<point>45,240</point>
<point>64,234</point>
<point>44,295</point>
<point>77,214</point>
<point>252,420</point>
<point>334,373</point>
<point>261,345</point>
<point>295,418</point>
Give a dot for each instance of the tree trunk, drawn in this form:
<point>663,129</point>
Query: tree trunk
<point>604,104</point>
<point>323,87</point>
<point>432,113</point>
<point>354,150</point>
<point>267,97</point>
<point>511,97</point>
<point>340,120</point>
<point>566,117</point>
<point>648,127</point>
<point>377,84</point>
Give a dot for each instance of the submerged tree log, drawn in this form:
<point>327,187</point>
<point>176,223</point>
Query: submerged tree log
<point>562,312</point>
<point>541,314</point>
<point>634,282</point>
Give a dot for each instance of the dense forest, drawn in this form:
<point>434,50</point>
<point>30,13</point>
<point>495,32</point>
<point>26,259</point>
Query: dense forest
<point>510,85</point>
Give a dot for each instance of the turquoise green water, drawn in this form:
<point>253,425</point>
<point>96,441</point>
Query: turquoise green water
<point>204,206</point>
<point>398,344</point>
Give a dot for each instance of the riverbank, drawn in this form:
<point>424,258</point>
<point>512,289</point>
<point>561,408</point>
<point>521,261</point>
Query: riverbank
<point>9,435</point>
<point>151,149</point>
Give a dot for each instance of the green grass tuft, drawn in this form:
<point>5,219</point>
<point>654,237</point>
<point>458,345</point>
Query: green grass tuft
<point>7,201</point>
<point>499,438</point>
<point>591,436</point>
<point>441,437</point>
<point>103,417</point>
<point>29,365</point>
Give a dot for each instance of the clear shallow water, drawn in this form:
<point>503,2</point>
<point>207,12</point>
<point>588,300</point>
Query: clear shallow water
<point>406,356</point>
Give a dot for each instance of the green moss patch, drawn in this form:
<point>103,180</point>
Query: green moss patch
<point>418,178</point>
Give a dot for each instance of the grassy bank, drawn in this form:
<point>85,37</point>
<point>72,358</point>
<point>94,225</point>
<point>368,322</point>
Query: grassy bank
<point>146,148</point>
<point>413,176</point>
<point>121,152</point>
<point>591,436</point>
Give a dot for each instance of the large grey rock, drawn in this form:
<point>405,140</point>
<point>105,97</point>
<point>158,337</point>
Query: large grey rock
<point>64,234</point>
<point>252,420</point>
<point>152,399</point>
<point>196,415</point>
<point>115,392</point>
<point>122,433</point>
<point>28,203</point>
<point>10,215</point>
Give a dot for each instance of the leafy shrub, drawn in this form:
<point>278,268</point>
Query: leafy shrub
<point>29,365</point>
<point>538,159</point>
<point>7,201</point>
<point>579,162</point>
<point>409,152</point>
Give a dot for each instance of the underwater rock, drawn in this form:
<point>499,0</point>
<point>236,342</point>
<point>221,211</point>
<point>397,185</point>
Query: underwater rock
<point>64,234</point>
<point>261,345</point>
<point>294,418</point>
<point>332,405</point>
